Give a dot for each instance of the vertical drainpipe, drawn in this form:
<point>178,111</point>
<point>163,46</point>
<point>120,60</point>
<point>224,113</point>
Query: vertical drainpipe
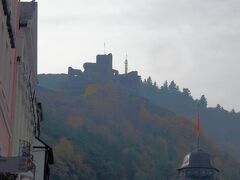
<point>14,82</point>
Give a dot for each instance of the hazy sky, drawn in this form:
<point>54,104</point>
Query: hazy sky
<point>195,43</point>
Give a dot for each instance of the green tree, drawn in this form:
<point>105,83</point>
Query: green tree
<point>149,81</point>
<point>173,87</point>
<point>165,86</point>
<point>186,92</point>
<point>203,102</point>
<point>155,84</point>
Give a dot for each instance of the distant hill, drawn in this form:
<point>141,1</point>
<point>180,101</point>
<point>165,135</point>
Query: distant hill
<point>101,133</point>
<point>219,124</point>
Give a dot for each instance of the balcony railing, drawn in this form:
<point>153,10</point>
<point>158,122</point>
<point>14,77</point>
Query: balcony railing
<point>24,149</point>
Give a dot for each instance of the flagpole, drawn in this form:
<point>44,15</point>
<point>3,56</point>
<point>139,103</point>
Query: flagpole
<point>198,130</point>
<point>198,127</point>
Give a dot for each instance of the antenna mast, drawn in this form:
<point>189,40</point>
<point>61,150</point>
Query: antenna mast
<point>126,65</point>
<point>104,51</point>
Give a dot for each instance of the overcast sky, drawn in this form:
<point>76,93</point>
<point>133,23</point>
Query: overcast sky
<point>195,43</point>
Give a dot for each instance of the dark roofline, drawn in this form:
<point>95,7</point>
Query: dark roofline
<point>48,149</point>
<point>179,169</point>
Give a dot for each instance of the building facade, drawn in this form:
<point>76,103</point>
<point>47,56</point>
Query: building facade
<point>20,112</point>
<point>8,34</point>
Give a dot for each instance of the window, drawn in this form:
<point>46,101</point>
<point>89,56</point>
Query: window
<point>186,161</point>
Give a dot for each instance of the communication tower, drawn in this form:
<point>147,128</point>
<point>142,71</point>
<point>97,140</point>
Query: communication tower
<point>126,65</point>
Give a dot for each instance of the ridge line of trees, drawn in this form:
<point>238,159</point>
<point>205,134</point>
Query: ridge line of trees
<point>173,88</point>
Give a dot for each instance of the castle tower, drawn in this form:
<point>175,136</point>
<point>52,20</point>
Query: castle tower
<point>197,165</point>
<point>105,61</point>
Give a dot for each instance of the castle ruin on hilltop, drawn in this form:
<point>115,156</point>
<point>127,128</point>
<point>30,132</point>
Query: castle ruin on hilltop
<point>103,72</point>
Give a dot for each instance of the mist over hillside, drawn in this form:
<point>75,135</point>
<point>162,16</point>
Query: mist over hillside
<point>219,124</point>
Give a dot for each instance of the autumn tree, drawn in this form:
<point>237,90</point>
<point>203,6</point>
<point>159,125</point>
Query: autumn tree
<point>69,164</point>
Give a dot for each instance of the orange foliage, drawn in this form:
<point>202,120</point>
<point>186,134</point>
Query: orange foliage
<point>76,121</point>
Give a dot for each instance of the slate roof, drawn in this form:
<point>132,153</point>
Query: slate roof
<point>197,159</point>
